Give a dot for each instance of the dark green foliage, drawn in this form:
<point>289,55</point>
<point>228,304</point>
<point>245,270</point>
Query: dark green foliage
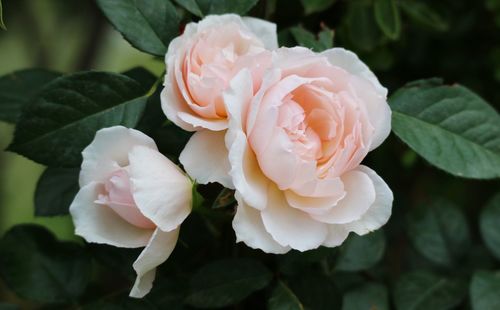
<point>55,191</point>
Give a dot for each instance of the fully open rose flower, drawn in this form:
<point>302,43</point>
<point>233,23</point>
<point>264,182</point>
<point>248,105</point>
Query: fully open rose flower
<point>295,149</point>
<point>131,196</point>
<point>200,64</point>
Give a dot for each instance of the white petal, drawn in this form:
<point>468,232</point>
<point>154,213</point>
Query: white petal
<point>336,235</point>
<point>154,254</point>
<point>172,103</point>
<point>161,190</point>
<point>350,62</point>
<point>249,229</point>
<point>100,224</point>
<point>109,151</point>
<point>360,195</point>
<point>200,123</point>
<point>291,227</point>
<point>263,30</point>
<point>375,101</point>
<point>245,171</point>
<point>380,211</point>
<point>205,158</point>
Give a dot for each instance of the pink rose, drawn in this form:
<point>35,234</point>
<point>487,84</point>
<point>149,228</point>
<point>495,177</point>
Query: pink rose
<point>131,196</point>
<point>200,65</point>
<point>296,147</point>
<point>203,60</point>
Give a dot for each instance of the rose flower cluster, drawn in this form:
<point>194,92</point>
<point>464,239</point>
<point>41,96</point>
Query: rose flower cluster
<point>286,128</point>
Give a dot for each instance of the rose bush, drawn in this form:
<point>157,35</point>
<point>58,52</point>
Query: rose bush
<point>131,196</point>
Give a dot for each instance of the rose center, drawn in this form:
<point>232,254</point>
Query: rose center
<point>117,195</point>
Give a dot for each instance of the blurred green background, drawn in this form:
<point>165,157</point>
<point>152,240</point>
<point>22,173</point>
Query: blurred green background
<point>64,36</point>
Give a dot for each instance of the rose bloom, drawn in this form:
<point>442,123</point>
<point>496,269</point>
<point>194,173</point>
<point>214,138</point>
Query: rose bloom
<point>296,147</point>
<point>200,64</point>
<point>131,196</point>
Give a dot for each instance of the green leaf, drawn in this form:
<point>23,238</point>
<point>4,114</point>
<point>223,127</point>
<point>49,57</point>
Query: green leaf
<point>143,76</point>
<point>362,28</point>
<point>149,25</point>
<point>308,39</point>
<point>315,291</point>
<point>361,252</point>
<point>2,24</point>
<point>388,18</point>
<point>192,6</point>
<point>368,296</point>
<point>226,282</point>
<point>439,232</point>
<point>484,290</point>
<point>205,7</point>
<point>38,267</point>
<point>424,15</point>
<point>240,7</point>
<point>450,126</point>
<point>489,225</point>
<point>313,6</point>
<point>224,199</point>
<point>283,298</point>
<point>54,129</point>
<point>55,191</point>
<point>17,88</point>
<point>422,290</point>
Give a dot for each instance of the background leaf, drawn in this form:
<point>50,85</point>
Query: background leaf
<point>440,232</point>
<point>226,282</point>
<point>361,252</point>
<point>367,296</point>
<point>422,290</point>
<point>424,15</point>
<point>282,298</point>
<point>450,126</point>
<point>55,191</point>
<point>38,267</point>
<point>489,225</point>
<point>2,24</point>
<point>313,6</point>
<point>55,128</point>
<point>308,39</point>
<point>206,7</point>
<point>388,18</point>
<point>148,25</point>
<point>484,290</point>
<point>18,88</point>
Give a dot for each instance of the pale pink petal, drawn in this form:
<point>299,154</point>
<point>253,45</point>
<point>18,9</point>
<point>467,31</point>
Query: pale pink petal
<point>263,30</point>
<point>172,104</point>
<point>360,195</point>
<point>336,235</point>
<point>154,254</point>
<point>161,190</point>
<point>289,226</point>
<point>100,224</point>
<point>379,212</point>
<point>249,229</point>
<point>313,205</point>
<point>109,151</point>
<point>245,172</point>
<point>201,123</point>
<point>205,158</point>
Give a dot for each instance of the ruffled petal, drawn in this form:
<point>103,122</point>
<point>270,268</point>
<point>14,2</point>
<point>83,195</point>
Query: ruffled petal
<point>291,227</point>
<point>205,158</point>
<point>155,253</point>
<point>380,211</point>
<point>249,229</point>
<point>109,151</point>
<point>160,189</point>
<point>263,30</point>
<point>360,195</point>
<point>100,224</point>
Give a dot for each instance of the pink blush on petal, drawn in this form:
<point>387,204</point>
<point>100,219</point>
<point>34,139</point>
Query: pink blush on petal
<point>117,195</point>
